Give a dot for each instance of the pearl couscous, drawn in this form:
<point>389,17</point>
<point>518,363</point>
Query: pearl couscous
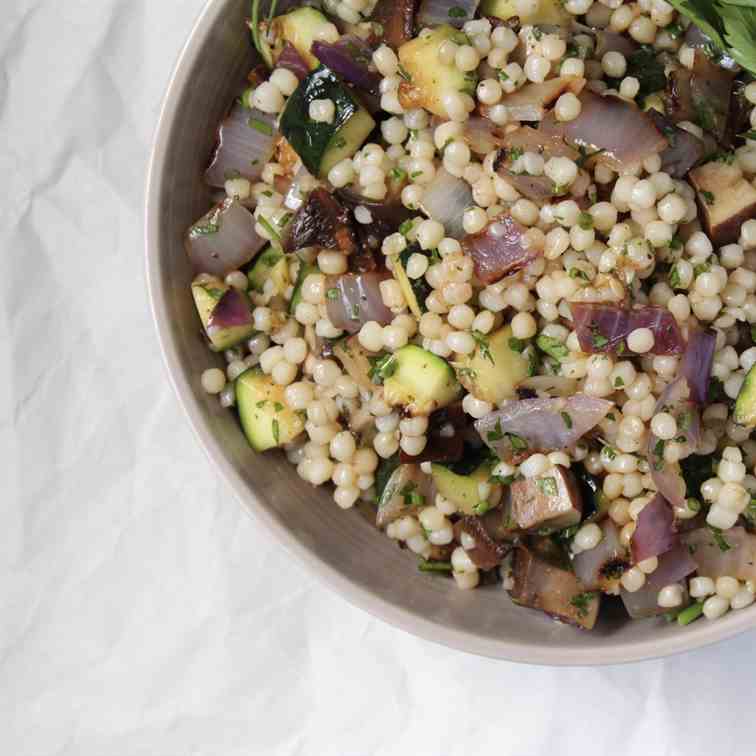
<point>492,278</point>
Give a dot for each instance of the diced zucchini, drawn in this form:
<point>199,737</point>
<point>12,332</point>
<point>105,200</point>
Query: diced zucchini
<point>266,420</point>
<point>494,369</point>
<point>547,12</point>
<point>322,145</point>
<point>421,381</point>
<point>415,290</point>
<point>207,291</point>
<point>745,404</point>
<point>305,269</point>
<point>270,265</point>
<point>301,28</point>
<point>426,79</point>
<point>464,490</point>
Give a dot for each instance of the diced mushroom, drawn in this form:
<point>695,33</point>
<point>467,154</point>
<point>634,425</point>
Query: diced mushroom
<point>397,19</point>
<point>726,199</point>
<point>552,501</point>
<point>542,584</point>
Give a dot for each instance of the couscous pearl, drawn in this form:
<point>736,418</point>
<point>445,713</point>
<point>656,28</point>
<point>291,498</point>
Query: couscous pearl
<point>633,580</point>
<point>715,606</point>
<point>743,598</point>
<point>670,596</point>
<point>641,340</point>
<point>664,426</point>
<point>700,587</point>
<point>535,465</point>
<point>213,380</point>
<point>648,566</point>
<point>726,587</point>
<point>588,537</point>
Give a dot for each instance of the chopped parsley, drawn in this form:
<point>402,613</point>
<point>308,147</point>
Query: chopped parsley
<point>456,12</point>
<point>598,339</point>
<point>278,407</point>
<point>496,434</point>
<point>553,347</point>
<point>567,419</point>
<point>719,538</point>
<point>403,73</point>
<point>481,507</point>
<point>517,345</point>
<point>412,498</point>
<point>701,268</point>
<point>261,126</point>
<point>515,153</point>
<point>674,277</point>
<point>405,227</point>
<point>381,367</point>
<point>332,293</point>
<point>398,174</point>
<point>585,221</point>
<point>205,229</point>
<point>276,432</point>
<point>579,273</point>
<point>609,453</point>
<point>518,443</point>
<point>482,341</point>
<point>266,224</point>
<point>425,565</point>
<point>547,486</point>
<point>581,602</point>
<point>708,197</point>
<point>618,382</point>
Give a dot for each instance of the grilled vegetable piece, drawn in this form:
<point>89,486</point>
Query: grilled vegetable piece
<point>602,567</point>
<point>426,79</point>
<point>541,582</point>
<point>321,145</point>
<point>211,297</point>
<point>552,501</point>
<point>415,290</point>
<point>726,200</point>
<point>546,12</point>
<point>421,382</point>
<point>266,420</point>
<point>407,490</point>
<point>745,404</point>
<point>464,490</point>
<point>270,265</point>
<point>684,150</point>
<point>487,552</point>
<point>494,369</point>
<point>356,361</point>
<point>321,222</point>
<point>305,269</point>
<point>300,28</point>
<point>396,17</point>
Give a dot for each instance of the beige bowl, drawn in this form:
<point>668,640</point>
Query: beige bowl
<point>340,547</point>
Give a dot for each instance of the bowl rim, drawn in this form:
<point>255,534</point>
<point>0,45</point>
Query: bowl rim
<point>701,634</point>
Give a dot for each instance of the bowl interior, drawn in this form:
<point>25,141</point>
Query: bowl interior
<point>342,547</point>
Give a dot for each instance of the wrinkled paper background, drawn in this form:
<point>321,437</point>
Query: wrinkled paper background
<point>142,612</point>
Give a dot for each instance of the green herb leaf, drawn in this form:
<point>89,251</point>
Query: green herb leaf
<point>582,602</point>
<point>547,486</point>
<point>425,565</point>
<point>553,347</point>
<point>261,126</point>
<point>567,419</point>
<point>518,443</point>
<point>585,221</point>
<point>708,197</point>
<point>276,432</point>
<point>456,12</point>
<point>496,434</point>
<point>482,341</point>
<point>517,345</point>
<point>382,367</point>
<point>719,538</point>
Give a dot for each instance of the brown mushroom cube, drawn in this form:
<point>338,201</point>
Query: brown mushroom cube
<point>551,501</point>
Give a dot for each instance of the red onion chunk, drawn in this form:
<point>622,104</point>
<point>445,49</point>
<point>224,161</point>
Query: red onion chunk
<point>292,61</point>
<point>684,150</point>
<point>351,59</point>
<point>644,603</point>
<point>595,567</point>
<point>231,311</point>
<point>445,200</point>
<point>223,240</point>
<point>246,140</point>
<point>654,530</point>
<point>607,41</point>
<point>395,502</point>
<point>498,250</point>
<point>731,552</point>
<point>482,135</point>
<point>355,298</point>
<point>668,478</point>
<point>697,362</point>
<point>542,424</point>
<point>625,134</point>
<point>452,12</point>
<point>674,565</point>
<point>605,327</point>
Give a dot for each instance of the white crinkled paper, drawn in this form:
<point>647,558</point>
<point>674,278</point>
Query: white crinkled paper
<point>142,612</point>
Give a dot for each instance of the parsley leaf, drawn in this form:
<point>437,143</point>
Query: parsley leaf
<point>482,341</point>
<point>553,347</point>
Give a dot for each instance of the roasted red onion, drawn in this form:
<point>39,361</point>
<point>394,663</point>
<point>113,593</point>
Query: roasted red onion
<point>528,425</point>
<point>351,59</point>
<point>355,299</point>
<point>605,327</point>
<point>498,249</point>
<point>482,135</point>
<point>246,140</point>
<point>697,362</point>
<point>729,552</point>
<point>445,199</point>
<point>452,12</point>
<point>397,18</point>
<point>623,133</point>
<point>530,102</point>
<point>223,240</point>
<point>668,478</point>
<point>607,41</point>
<point>685,149</point>
<point>406,490</point>
<point>674,565</point>
<point>292,61</point>
<point>654,530</point>
<point>231,311</point>
<point>603,565</point>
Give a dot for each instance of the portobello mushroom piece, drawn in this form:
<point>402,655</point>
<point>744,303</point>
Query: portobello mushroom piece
<point>397,18</point>
<point>321,222</point>
<point>685,149</point>
<point>551,501</point>
<point>541,582</point>
<point>725,198</point>
<point>488,552</point>
<point>700,94</point>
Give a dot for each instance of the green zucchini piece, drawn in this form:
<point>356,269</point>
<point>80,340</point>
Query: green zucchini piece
<point>266,420</point>
<point>547,12</point>
<point>207,291</point>
<point>300,28</point>
<point>745,404</point>
<point>270,265</point>
<point>322,145</point>
<point>493,371</point>
<point>426,78</point>
<point>421,381</point>
<point>463,490</point>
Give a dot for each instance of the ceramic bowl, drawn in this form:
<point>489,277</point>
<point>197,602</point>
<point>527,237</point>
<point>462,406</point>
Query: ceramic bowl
<point>341,548</point>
